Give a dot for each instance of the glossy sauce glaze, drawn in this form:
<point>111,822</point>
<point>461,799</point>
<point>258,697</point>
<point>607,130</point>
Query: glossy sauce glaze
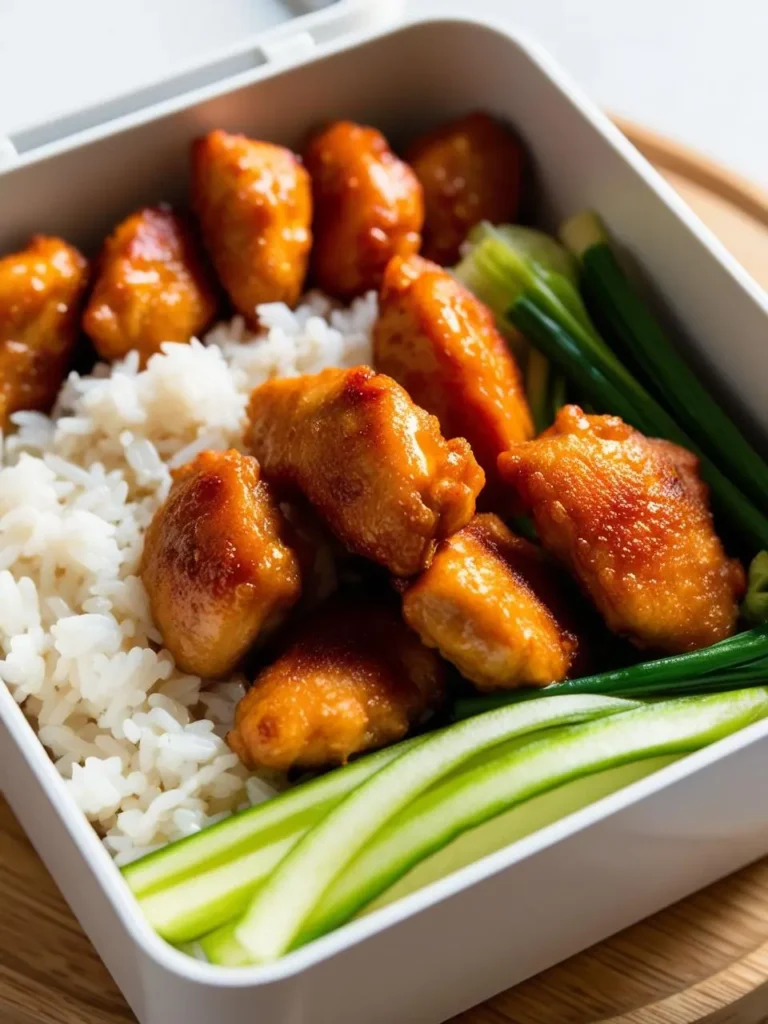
<point>470,170</point>
<point>351,678</point>
<point>368,208</point>
<point>41,290</point>
<point>636,532</point>
<point>254,203</point>
<point>437,340</point>
<point>152,286</point>
<point>373,464</point>
<point>218,564</point>
<point>497,608</point>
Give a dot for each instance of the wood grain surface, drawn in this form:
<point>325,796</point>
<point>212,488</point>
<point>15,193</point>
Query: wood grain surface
<point>702,961</point>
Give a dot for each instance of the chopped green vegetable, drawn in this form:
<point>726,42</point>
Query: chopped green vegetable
<point>755,606</point>
<point>573,343</point>
<point>539,248</point>
<point>433,817</point>
<point>282,905</point>
<point>739,661</point>
<point>537,389</point>
<point>612,387</point>
<point>239,834</point>
<point>191,906</point>
<point>644,339</point>
<point>437,817</point>
<point>558,394</point>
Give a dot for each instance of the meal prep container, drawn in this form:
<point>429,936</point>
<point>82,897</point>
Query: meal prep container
<point>530,903</point>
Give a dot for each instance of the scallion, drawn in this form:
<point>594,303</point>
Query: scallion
<point>739,661</point>
<point>645,340</point>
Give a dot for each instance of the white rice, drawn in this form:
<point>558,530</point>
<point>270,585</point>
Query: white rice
<point>140,744</point>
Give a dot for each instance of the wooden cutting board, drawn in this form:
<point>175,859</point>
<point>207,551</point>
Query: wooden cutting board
<point>702,960</point>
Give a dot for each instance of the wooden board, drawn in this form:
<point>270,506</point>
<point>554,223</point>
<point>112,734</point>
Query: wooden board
<point>703,960</point>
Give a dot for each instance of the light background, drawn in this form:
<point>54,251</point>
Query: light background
<point>696,70</point>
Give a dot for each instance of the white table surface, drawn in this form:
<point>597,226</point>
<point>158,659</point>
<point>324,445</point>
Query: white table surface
<point>696,70</point>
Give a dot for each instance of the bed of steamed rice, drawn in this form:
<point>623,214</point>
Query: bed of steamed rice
<point>140,744</point>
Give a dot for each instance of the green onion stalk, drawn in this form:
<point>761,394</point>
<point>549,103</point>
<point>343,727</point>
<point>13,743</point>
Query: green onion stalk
<point>563,332</point>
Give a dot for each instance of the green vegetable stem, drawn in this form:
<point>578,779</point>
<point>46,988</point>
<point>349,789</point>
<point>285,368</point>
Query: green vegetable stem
<point>644,339</point>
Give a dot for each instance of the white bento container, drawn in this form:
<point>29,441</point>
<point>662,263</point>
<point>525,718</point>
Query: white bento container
<point>514,912</point>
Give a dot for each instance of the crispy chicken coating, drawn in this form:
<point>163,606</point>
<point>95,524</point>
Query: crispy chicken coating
<point>152,286</point>
<point>440,342</point>
<point>217,564</point>
<point>629,516</point>
<point>470,170</point>
<point>254,202</point>
<point>352,678</point>
<point>372,463</point>
<point>368,208</point>
<point>496,607</point>
<point>40,292</point>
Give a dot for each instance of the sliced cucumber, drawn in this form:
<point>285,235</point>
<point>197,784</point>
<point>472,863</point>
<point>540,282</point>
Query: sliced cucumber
<point>282,905</point>
<point>295,809</point>
<point>193,905</point>
<point>473,797</point>
<point>467,799</point>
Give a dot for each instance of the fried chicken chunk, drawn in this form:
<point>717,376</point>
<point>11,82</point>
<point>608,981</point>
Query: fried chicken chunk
<point>152,286</point>
<point>470,170</point>
<point>352,678</point>
<point>254,202</point>
<point>440,342</point>
<point>494,606</point>
<point>372,463</point>
<point>40,292</point>
<point>217,565</point>
<point>629,516</point>
<point>368,208</point>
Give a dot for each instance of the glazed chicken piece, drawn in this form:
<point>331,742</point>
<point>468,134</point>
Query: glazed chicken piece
<point>41,288</point>
<point>495,607</point>
<point>440,342</point>
<point>217,564</point>
<point>368,208</point>
<point>629,516</point>
<point>152,286</point>
<point>470,170</point>
<point>254,202</point>
<point>352,678</point>
<point>372,463</point>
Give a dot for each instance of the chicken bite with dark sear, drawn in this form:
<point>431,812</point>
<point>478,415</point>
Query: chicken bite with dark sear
<point>41,288</point>
<point>368,207</point>
<point>497,608</point>
<point>353,677</point>
<point>470,170</point>
<point>373,464</point>
<point>152,286</point>
<point>254,202</point>
<point>629,516</point>
<point>440,342</point>
<point>218,564</point>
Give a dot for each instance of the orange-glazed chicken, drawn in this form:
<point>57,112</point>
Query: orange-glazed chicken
<point>372,463</point>
<point>629,516</point>
<point>41,288</point>
<point>495,607</point>
<point>470,170</point>
<point>440,342</point>
<point>254,202</point>
<point>152,286</point>
<point>217,565</point>
<point>352,678</point>
<point>368,208</point>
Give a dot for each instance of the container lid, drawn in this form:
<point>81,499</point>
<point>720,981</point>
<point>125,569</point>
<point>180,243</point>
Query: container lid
<point>101,61</point>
